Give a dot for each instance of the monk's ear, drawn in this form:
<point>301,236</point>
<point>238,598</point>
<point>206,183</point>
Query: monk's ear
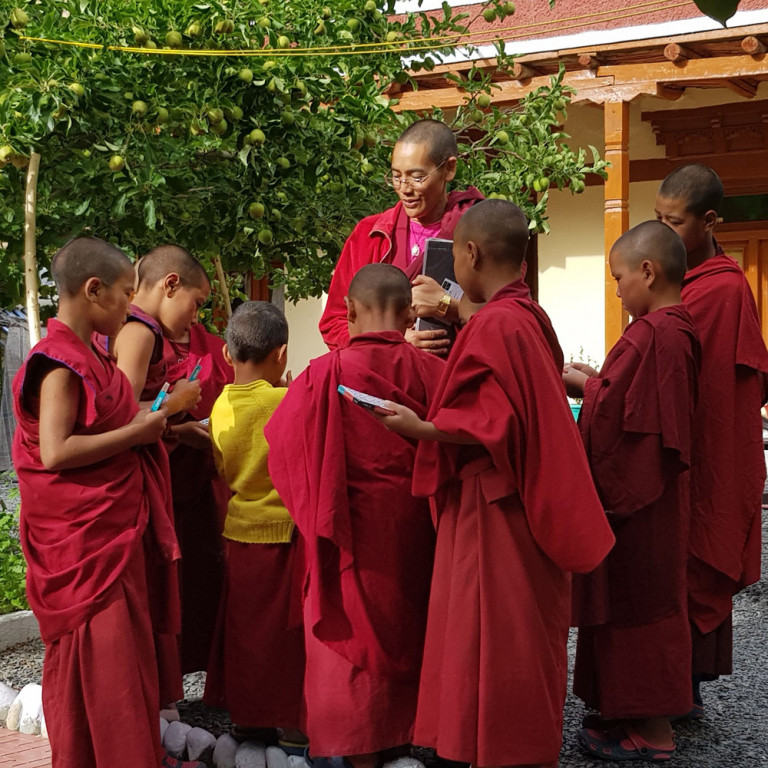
<point>171,283</point>
<point>410,317</point>
<point>648,268</point>
<point>710,219</point>
<point>351,309</point>
<point>227,356</point>
<point>474,257</point>
<point>92,288</point>
<point>450,168</point>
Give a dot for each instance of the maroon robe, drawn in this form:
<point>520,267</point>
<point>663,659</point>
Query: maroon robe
<point>347,483</point>
<point>514,514</point>
<point>634,651</point>
<point>199,498</point>
<point>163,582</point>
<point>728,472</point>
<point>258,676</point>
<point>83,531</point>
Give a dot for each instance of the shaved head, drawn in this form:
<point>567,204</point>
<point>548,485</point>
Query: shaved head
<point>499,228</point>
<point>165,259</point>
<point>381,287</point>
<point>436,136</point>
<point>83,258</point>
<point>695,184</point>
<point>655,242</point>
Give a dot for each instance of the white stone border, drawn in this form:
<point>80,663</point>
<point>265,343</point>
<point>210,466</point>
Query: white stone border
<point>18,627</point>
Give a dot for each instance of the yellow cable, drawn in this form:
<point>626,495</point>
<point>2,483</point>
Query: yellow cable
<point>354,49</point>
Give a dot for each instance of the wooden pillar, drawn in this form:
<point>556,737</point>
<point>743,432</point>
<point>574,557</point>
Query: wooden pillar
<point>616,116</point>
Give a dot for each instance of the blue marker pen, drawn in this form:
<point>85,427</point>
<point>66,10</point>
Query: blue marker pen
<point>160,397</point>
<point>195,372</point>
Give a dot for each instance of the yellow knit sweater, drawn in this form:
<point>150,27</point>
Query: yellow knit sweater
<point>255,514</point>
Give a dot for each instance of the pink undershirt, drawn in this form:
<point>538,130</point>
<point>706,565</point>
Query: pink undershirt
<point>417,235</point>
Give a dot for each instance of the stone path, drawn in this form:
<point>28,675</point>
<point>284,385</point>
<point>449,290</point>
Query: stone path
<point>20,751</point>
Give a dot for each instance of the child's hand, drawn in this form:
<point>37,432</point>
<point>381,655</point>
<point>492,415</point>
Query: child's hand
<point>149,425</point>
<point>287,380</point>
<point>193,434</point>
<point>185,396</point>
<point>435,342</point>
<point>404,421</point>
<point>574,380</point>
<point>583,367</point>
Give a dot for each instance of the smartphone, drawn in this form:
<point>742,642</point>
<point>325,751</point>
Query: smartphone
<point>195,372</point>
<point>369,402</point>
<point>160,397</point>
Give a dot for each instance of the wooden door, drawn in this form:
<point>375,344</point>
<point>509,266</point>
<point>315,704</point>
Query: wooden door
<point>748,244</point>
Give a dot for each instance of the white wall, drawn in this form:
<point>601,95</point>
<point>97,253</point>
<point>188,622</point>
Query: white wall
<point>304,340</point>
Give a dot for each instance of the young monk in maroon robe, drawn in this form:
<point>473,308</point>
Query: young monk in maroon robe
<point>347,484</point>
<point>515,510</point>
<point>93,482</point>
<point>728,472</point>
<point>172,286</point>
<point>199,495</point>
<point>633,661</point>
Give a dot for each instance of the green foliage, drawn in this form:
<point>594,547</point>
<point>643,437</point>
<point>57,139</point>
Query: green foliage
<point>719,10</point>
<point>144,148</point>
<point>13,567</point>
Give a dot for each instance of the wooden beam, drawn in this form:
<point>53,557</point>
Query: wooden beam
<point>677,52</point>
<point>746,88</point>
<point>589,60</point>
<point>522,72</point>
<point>741,172</point>
<point>615,81</point>
<point>616,217</point>
<point>752,46</point>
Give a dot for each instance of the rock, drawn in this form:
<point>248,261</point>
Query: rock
<point>169,714</point>
<point>43,727</point>
<point>198,740</point>
<point>276,758</point>
<point>224,752</point>
<point>175,739</point>
<point>26,710</point>
<point>294,761</point>
<point>404,762</point>
<point>251,755</point>
<point>7,695</point>
<point>163,728</point>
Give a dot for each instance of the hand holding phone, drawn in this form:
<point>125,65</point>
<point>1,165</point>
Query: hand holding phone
<point>369,402</point>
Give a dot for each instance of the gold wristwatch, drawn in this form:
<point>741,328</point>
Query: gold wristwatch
<point>443,305</point>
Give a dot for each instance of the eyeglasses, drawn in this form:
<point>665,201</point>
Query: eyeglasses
<point>412,181</point>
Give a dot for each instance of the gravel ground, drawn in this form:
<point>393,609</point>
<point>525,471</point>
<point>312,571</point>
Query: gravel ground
<point>734,733</point>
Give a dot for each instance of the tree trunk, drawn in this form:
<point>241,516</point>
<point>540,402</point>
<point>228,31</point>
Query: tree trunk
<point>31,281</point>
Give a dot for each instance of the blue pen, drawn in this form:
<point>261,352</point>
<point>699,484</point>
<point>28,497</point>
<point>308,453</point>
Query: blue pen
<point>195,372</point>
<point>160,397</point>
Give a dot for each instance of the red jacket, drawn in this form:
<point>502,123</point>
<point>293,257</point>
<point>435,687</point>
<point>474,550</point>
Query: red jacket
<point>382,237</point>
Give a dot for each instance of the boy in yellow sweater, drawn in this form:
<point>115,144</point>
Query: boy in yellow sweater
<point>256,670</point>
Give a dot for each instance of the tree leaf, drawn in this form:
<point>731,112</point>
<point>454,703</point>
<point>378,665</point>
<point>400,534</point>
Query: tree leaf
<point>719,10</point>
<point>150,216</point>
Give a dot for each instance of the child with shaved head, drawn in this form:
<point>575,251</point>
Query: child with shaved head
<point>171,288</point>
<point>633,662</point>
<point>94,494</point>
<point>515,509</point>
<point>347,484</point>
<point>728,472</point>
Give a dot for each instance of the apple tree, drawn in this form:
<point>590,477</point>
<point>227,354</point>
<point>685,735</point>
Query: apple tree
<point>257,131</point>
